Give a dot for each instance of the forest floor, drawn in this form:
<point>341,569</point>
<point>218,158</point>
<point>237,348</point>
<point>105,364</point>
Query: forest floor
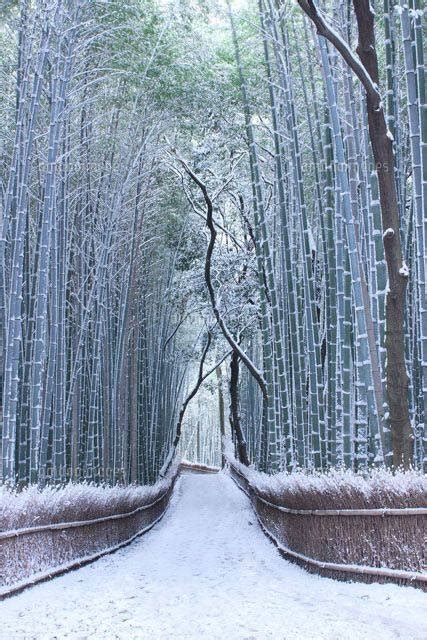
<point>207,571</point>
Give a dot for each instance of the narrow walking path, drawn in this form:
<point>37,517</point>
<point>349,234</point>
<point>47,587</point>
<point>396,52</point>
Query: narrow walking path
<point>207,571</point>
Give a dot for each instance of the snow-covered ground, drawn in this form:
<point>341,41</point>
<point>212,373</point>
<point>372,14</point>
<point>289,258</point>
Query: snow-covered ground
<point>206,571</point>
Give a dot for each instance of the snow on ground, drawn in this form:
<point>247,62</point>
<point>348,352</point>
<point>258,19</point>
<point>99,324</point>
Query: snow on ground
<point>207,571</point>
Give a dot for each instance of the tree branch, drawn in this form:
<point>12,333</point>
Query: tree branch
<point>200,379</point>
<point>324,29</point>
<point>208,278</point>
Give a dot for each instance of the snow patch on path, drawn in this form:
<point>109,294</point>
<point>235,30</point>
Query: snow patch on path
<point>207,571</point>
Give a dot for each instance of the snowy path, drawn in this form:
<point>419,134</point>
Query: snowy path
<point>207,571</point>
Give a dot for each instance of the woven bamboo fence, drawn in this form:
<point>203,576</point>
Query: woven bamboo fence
<point>34,554</point>
<point>369,545</point>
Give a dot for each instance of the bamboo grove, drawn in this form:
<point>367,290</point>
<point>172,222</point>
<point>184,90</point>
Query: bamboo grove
<point>170,208</point>
<point>327,348</point>
<point>92,366</point>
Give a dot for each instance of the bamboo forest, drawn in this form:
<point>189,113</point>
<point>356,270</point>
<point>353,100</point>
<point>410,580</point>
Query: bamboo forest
<point>213,268</point>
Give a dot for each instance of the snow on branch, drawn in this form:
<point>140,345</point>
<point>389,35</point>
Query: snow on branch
<point>324,29</point>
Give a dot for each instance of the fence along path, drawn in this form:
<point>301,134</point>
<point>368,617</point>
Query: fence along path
<point>362,544</point>
<point>34,554</point>
<point>30,555</point>
<point>207,570</point>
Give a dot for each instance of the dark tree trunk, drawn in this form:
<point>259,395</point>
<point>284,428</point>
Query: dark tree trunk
<point>221,409</point>
<point>366,69</point>
<point>242,453</point>
<point>382,147</point>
